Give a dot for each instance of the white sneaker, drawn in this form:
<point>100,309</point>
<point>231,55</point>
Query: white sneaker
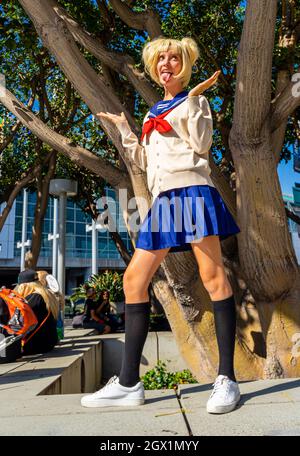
<point>224,397</point>
<point>113,393</point>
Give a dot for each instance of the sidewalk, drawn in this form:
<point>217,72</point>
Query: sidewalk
<point>267,407</point>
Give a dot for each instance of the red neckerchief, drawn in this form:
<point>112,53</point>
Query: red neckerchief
<point>158,123</point>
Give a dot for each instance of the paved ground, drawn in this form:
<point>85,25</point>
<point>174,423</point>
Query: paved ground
<point>269,407</point>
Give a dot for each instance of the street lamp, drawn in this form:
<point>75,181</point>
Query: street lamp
<point>53,237</point>
<point>62,188</point>
<point>94,227</point>
<point>24,243</point>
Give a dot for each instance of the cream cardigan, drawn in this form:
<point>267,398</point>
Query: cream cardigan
<point>177,158</point>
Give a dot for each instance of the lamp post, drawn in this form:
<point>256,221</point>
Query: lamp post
<point>24,243</point>
<point>54,237</point>
<point>62,188</point>
<point>94,227</point>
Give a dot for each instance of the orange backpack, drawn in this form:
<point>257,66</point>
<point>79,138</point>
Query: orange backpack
<point>22,319</point>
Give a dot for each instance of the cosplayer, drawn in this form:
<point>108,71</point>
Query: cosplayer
<point>174,152</point>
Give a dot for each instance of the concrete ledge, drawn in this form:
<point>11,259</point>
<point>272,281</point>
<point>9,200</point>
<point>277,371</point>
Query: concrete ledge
<point>159,345</point>
<point>83,360</point>
<point>74,366</point>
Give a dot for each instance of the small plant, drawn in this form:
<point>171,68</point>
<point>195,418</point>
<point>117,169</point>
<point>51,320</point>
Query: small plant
<point>158,377</point>
<point>111,281</point>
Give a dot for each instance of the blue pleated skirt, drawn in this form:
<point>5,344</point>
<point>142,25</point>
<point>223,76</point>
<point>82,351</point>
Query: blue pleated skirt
<point>183,215</point>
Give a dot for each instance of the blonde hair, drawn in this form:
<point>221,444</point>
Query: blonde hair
<point>25,289</point>
<point>58,295</point>
<point>186,48</point>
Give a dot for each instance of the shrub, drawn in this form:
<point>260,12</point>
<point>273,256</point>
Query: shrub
<point>108,280</point>
<point>158,377</point>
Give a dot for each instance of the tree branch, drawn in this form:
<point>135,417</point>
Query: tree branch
<point>254,69</point>
<point>148,20</point>
<point>19,185</point>
<point>292,216</point>
<point>285,103</point>
<point>104,11</point>
<point>14,130</point>
<point>120,63</point>
<point>77,154</point>
<point>58,40</point>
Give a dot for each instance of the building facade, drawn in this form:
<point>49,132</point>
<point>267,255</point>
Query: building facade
<point>292,202</point>
<point>78,242</point>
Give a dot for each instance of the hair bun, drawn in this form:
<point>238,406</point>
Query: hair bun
<point>191,48</point>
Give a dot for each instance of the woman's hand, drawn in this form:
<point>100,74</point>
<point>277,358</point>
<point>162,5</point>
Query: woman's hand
<point>114,118</point>
<point>204,85</point>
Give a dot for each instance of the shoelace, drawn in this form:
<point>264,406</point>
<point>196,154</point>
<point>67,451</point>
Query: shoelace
<point>110,382</point>
<point>218,384</point>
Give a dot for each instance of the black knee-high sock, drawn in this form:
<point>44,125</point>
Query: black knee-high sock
<point>137,318</point>
<point>225,324</point>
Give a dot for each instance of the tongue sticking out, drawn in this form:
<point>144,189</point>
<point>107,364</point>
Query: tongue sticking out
<point>166,76</point>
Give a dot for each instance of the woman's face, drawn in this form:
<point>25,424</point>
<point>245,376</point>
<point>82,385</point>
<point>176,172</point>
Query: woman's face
<point>169,64</point>
<point>105,295</point>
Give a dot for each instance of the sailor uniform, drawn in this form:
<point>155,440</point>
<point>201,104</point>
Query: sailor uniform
<point>174,152</point>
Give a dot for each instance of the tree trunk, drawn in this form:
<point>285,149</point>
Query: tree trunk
<point>262,264</point>
<point>266,254</point>
<point>43,185</point>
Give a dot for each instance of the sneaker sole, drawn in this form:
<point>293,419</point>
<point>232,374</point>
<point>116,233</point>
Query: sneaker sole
<point>113,402</point>
<point>222,408</point>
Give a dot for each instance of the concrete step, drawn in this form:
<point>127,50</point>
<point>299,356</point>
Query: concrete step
<point>267,407</point>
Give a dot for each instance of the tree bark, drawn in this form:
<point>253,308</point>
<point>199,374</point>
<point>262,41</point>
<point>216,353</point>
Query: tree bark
<point>266,253</point>
<point>43,185</point>
<point>256,268</point>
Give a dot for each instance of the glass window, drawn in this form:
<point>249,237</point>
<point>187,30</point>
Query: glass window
<point>70,227</point>
<point>80,216</point>
<point>31,209</point>
<point>31,197</point>
<point>80,242</point>
<point>18,224</point>
<point>19,208</point>
<point>70,214</point>
<point>46,226</point>
<point>70,241</point>
<point>80,228</point>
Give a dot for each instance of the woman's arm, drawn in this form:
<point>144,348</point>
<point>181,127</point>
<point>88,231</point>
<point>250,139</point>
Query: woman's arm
<point>100,307</point>
<point>199,124</point>
<point>95,317</point>
<point>131,144</point>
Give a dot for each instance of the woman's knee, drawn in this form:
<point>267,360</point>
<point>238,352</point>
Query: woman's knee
<point>133,281</point>
<point>215,281</point>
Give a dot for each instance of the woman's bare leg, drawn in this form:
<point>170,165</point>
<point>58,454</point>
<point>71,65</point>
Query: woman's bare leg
<point>211,268</point>
<point>137,277</point>
<point>139,272</point>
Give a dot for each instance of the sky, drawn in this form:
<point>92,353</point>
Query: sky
<point>287,177</point>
